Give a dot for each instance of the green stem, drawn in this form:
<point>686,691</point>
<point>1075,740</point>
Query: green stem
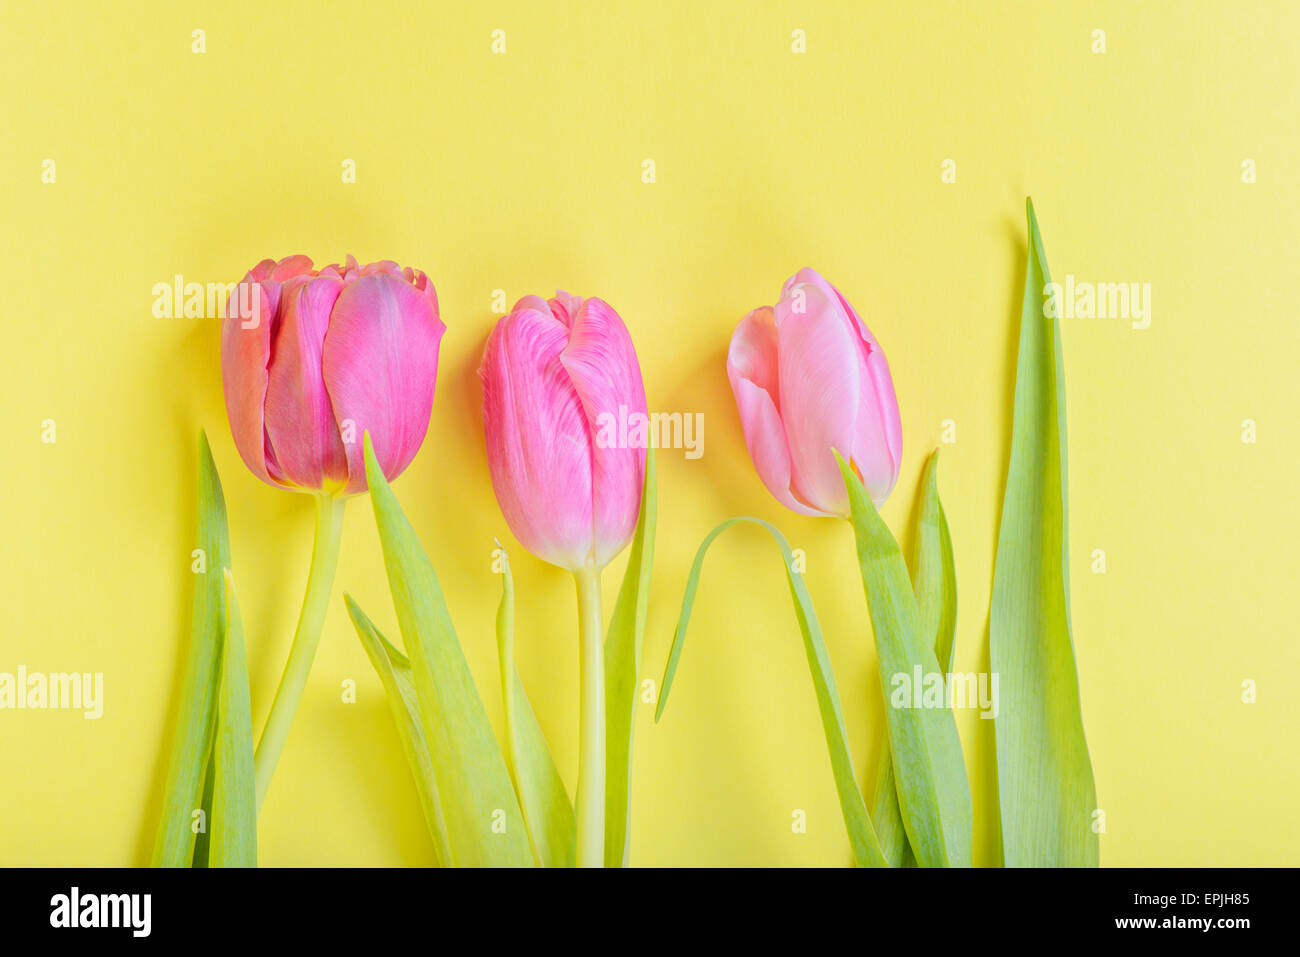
<point>324,560</point>
<point>590,808</point>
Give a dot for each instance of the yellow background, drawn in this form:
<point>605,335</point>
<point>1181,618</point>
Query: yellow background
<point>522,172</point>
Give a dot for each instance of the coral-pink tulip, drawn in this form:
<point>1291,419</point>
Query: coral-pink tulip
<point>312,359</point>
<point>550,371</point>
<point>809,377</point>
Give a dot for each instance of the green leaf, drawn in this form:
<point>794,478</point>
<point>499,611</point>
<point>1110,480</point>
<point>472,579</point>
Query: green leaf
<point>394,671</point>
<point>933,794</point>
<point>196,718</point>
<point>935,587</point>
<point>1045,783</point>
<point>935,583</point>
<point>887,817</point>
<point>538,785</point>
<point>202,840</point>
<point>862,837</point>
<point>234,797</point>
<point>484,824</point>
<point>623,669</point>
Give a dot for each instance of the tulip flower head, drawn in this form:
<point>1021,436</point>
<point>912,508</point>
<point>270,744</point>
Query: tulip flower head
<point>312,359</point>
<point>809,378</point>
<point>550,370</point>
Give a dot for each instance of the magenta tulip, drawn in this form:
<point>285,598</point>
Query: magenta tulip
<point>312,359</point>
<point>550,371</point>
<point>809,378</point>
<point>553,373</point>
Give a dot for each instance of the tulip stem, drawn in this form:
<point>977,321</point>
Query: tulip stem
<point>590,808</point>
<point>320,580</point>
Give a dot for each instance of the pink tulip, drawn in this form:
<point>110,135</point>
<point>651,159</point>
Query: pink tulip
<point>550,370</point>
<point>810,377</point>
<point>312,359</point>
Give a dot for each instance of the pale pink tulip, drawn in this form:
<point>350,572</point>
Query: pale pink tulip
<point>312,359</point>
<point>809,377</point>
<point>550,371</point>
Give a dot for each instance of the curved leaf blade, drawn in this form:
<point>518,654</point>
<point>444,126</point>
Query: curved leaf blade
<point>548,812</point>
<point>935,586</point>
<point>196,719</point>
<point>484,823</point>
<point>935,583</point>
<point>623,669</point>
<point>1046,790</point>
<point>862,836</point>
<point>394,671</point>
<point>933,793</point>
<point>234,797</point>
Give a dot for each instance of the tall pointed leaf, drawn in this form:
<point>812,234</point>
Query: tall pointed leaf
<point>196,718</point>
<point>1045,784</point>
<point>548,813</point>
<point>862,837</point>
<point>623,669</point>
<point>935,582</point>
<point>234,798</point>
<point>935,586</point>
<point>484,823</point>
<point>933,793</point>
<point>394,671</point>
<point>202,840</point>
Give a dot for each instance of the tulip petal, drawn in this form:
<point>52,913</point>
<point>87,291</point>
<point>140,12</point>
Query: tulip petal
<point>877,448</point>
<point>290,267</point>
<point>379,362</point>
<point>820,374</point>
<point>537,440</point>
<point>245,355</point>
<point>874,452</point>
<point>602,363</point>
<point>752,370</point>
<point>425,285</point>
<point>299,419</point>
<point>564,306</point>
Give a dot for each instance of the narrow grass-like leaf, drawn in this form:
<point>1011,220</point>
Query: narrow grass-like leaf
<point>935,582</point>
<point>394,671</point>
<point>234,796</point>
<point>1046,790</point>
<point>548,813</point>
<point>933,793</point>
<point>887,817</point>
<point>623,669</point>
<point>862,837</point>
<point>202,840</point>
<point>935,586</point>
<point>484,824</point>
<point>196,719</point>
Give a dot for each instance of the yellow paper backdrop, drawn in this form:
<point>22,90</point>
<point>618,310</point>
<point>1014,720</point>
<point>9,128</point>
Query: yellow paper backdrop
<point>523,172</point>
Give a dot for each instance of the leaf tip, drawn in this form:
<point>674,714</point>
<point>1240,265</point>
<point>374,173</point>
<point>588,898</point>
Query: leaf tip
<point>374,474</point>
